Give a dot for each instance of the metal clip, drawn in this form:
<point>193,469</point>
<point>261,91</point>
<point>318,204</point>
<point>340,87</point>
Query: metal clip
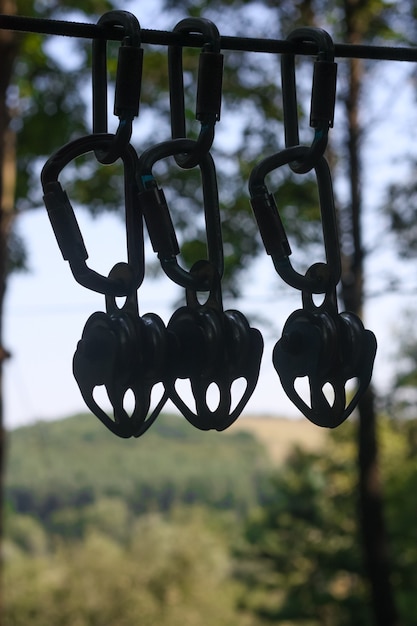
<point>158,219</point>
<point>323,96</point>
<point>212,346</point>
<point>209,88</point>
<point>128,82</point>
<point>322,276</point>
<point>65,225</point>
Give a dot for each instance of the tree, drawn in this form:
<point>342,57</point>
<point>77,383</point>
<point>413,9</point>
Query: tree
<point>302,561</point>
<point>99,580</point>
<point>28,77</point>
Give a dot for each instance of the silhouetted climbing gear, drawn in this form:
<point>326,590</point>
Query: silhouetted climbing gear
<point>329,349</point>
<point>209,88</point>
<point>65,225</point>
<point>128,82</point>
<point>211,346</point>
<point>323,96</point>
<point>317,342</point>
<point>128,355</point>
<point>122,351</point>
<point>118,349</point>
<point>273,232</point>
<point>207,345</point>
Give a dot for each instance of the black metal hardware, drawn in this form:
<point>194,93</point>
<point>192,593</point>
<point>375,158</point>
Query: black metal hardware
<point>273,232</point>
<point>323,96</point>
<point>122,352</point>
<point>128,82</point>
<point>209,88</point>
<point>158,219</point>
<point>329,349</point>
<point>21,23</point>
<point>317,342</point>
<point>65,225</point>
<point>211,346</point>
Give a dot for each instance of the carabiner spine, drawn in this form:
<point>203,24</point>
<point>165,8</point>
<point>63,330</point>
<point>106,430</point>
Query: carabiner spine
<point>128,83</point>
<point>323,96</point>
<point>271,227</point>
<point>157,216</point>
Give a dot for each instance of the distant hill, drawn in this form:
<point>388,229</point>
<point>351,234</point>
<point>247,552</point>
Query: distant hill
<point>279,435</point>
<point>71,463</point>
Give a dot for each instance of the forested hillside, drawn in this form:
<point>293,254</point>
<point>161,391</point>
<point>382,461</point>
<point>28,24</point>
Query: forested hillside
<point>120,532</point>
<point>76,462</point>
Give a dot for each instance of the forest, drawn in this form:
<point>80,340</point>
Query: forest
<point>185,527</point>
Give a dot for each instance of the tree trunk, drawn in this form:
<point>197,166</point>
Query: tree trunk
<point>372,523</point>
<point>8,52</point>
<point>374,535</point>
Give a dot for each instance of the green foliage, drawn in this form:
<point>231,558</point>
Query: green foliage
<point>54,467</point>
<point>399,447</point>
<point>401,208</point>
<point>303,563</point>
<point>172,571</point>
<point>292,559</point>
<point>105,539</point>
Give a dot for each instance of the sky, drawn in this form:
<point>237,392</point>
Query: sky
<point>46,309</point>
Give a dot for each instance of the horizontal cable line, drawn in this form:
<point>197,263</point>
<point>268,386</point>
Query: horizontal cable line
<point>160,37</point>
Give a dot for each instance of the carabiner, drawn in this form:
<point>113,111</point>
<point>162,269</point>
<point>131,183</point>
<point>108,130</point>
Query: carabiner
<point>323,96</point>
<point>158,219</point>
<point>272,229</point>
<point>128,82</point>
<point>209,88</point>
<point>65,225</point>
